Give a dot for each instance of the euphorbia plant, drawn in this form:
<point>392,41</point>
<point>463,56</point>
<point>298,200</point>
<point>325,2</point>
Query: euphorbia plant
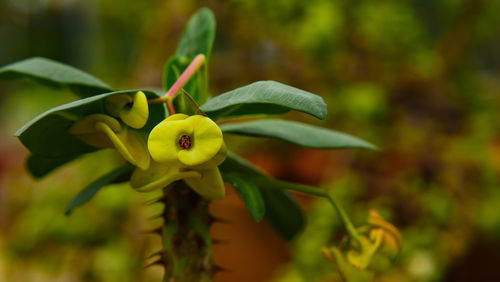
<point>174,143</point>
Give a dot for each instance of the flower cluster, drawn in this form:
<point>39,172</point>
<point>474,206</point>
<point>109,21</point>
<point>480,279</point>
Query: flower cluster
<point>181,147</point>
<point>106,131</point>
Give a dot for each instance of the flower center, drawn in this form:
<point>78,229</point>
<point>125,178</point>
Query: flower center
<point>185,142</point>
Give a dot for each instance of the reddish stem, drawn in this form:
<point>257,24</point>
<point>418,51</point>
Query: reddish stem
<point>193,67</point>
<point>171,109</point>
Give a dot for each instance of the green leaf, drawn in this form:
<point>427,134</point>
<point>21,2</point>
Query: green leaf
<point>236,164</point>
<point>297,133</point>
<point>47,137</point>
<point>91,190</point>
<point>198,36</point>
<point>264,97</point>
<point>55,74</point>
<point>250,193</point>
<point>281,209</point>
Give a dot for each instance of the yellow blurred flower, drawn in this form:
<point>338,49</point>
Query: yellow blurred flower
<point>373,252</point>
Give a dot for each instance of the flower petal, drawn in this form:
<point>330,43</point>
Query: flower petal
<point>207,141</point>
<point>133,111</point>
<point>210,185</point>
<point>85,130</point>
<point>136,145</point>
<point>163,139</point>
<point>217,160</point>
<point>129,144</point>
<point>115,103</point>
<point>176,117</point>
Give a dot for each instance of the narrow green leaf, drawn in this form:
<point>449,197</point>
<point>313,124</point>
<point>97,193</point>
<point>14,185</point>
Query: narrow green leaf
<point>297,133</point>
<point>47,137</point>
<point>281,209</point>
<point>91,190</point>
<point>55,74</point>
<point>250,193</point>
<point>265,97</point>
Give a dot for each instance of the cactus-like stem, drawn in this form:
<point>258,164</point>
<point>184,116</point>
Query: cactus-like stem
<point>187,245</point>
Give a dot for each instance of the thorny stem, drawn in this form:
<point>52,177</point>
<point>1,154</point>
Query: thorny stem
<point>351,230</point>
<point>187,245</point>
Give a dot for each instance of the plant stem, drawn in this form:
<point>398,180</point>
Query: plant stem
<point>187,245</point>
<point>351,230</point>
<point>193,67</point>
<point>188,73</point>
<point>171,109</point>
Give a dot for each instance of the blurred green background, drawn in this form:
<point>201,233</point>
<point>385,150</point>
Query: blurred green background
<point>421,79</point>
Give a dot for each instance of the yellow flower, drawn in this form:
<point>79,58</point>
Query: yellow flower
<point>188,141</point>
<point>133,110</point>
<point>188,148</point>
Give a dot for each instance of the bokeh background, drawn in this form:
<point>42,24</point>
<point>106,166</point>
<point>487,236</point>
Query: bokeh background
<point>421,79</point>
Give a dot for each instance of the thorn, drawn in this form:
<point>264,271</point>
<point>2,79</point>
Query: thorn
<point>153,201</point>
<point>156,216</point>
<point>218,268</point>
<point>157,231</point>
<point>214,219</point>
<point>159,262</point>
<point>220,241</point>
<point>157,253</point>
